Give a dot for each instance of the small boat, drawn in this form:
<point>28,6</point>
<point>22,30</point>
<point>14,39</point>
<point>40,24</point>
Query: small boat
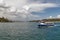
<point>45,24</point>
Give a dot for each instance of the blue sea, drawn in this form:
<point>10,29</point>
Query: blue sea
<point>28,31</point>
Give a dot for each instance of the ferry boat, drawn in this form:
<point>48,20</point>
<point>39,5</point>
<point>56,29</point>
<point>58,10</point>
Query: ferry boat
<point>45,24</point>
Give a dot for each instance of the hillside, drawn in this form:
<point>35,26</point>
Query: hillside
<point>4,20</point>
<point>51,20</point>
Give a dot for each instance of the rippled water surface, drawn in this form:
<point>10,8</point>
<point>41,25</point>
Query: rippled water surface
<point>28,31</point>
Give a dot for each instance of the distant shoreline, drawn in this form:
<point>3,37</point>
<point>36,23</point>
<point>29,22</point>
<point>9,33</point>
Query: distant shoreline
<point>3,20</point>
<point>47,20</point>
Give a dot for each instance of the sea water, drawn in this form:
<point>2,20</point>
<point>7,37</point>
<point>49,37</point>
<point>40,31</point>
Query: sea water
<point>28,31</point>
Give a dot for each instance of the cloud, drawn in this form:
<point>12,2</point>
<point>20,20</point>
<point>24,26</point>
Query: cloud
<point>50,17</point>
<point>39,6</point>
<point>1,1</point>
<point>58,16</point>
<point>21,9</point>
<point>16,3</point>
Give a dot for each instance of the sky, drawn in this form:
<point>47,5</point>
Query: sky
<point>23,10</point>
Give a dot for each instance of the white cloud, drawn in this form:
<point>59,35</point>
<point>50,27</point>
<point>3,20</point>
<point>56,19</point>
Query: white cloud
<point>58,16</point>
<point>39,6</point>
<point>21,9</point>
<point>1,1</point>
<point>16,3</point>
<point>50,17</point>
<point>12,9</point>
